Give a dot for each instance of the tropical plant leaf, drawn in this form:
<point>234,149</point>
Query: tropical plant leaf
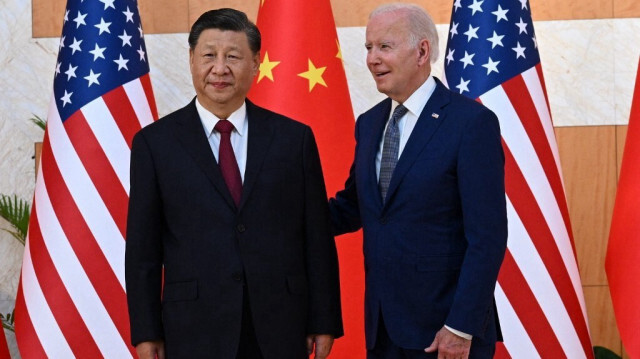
<point>8,321</point>
<point>16,211</point>
<point>39,121</point>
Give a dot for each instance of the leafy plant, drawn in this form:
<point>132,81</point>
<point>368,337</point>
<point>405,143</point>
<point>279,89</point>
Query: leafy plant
<point>7,321</point>
<point>16,211</point>
<point>39,121</point>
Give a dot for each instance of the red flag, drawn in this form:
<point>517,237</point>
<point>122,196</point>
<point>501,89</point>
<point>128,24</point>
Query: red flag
<point>302,77</point>
<point>539,292</point>
<point>623,252</point>
<point>4,349</point>
<point>71,299</point>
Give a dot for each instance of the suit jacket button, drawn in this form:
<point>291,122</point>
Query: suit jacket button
<point>384,220</point>
<point>240,228</point>
<point>237,276</point>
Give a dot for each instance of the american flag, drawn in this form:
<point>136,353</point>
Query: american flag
<point>492,56</point>
<point>71,299</point>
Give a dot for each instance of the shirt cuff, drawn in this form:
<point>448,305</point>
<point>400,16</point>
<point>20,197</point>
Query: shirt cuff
<point>459,333</point>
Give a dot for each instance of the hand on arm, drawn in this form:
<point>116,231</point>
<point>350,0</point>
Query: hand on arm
<point>449,345</point>
<point>150,350</point>
<point>322,344</point>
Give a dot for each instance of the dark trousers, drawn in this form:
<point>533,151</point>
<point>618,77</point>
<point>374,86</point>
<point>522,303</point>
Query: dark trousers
<point>248,347</point>
<point>384,348</point>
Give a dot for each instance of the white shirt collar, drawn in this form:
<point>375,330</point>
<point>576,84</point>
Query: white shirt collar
<point>416,102</point>
<point>209,120</point>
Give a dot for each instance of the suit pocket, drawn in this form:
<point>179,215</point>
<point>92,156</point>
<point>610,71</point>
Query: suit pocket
<point>297,284</point>
<point>177,291</point>
<point>439,263</point>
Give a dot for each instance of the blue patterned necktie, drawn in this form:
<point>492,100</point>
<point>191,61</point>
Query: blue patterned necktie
<point>390,150</point>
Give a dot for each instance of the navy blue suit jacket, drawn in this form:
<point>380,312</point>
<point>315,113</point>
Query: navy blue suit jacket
<point>433,251</point>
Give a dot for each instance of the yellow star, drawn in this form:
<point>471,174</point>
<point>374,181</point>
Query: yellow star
<point>339,54</point>
<point>314,75</point>
<point>266,68</point>
<point>262,3</point>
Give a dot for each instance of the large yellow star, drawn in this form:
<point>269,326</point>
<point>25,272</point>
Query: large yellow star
<point>339,54</point>
<point>314,75</point>
<point>266,67</point>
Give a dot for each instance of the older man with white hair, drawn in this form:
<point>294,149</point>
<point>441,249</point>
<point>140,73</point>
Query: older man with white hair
<point>427,187</point>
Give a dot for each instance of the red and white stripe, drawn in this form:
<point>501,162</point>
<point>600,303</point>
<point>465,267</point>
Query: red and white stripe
<point>539,293</point>
<point>72,288</point>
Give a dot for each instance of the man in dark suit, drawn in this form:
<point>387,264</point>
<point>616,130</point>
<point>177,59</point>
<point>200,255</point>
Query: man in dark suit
<point>228,201</point>
<point>427,187</point>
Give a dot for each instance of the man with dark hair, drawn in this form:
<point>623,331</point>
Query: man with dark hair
<point>228,201</point>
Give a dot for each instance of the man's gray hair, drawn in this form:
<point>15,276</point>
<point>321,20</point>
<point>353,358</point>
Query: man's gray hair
<point>421,25</point>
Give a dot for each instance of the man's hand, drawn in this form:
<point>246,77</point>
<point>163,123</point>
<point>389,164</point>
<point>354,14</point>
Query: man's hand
<point>322,343</point>
<point>150,350</point>
<point>449,345</point>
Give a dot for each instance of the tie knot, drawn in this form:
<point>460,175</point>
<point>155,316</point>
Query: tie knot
<point>224,126</point>
<point>398,112</point>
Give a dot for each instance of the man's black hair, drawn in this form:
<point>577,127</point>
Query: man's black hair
<point>226,19</point>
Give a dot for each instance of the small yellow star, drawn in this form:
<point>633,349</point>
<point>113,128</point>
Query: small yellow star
<point>314,75</point>
<point>262,3</point>
<point>266,68</point>
<point>339,54</point>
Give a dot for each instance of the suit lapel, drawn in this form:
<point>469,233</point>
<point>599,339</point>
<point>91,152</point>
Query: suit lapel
<point>260,136</point>
<point>373,146</point>
<point>430,119</point>
<point>190,134</point>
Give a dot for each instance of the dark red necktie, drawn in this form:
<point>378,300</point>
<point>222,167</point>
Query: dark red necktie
<point>227,160</point>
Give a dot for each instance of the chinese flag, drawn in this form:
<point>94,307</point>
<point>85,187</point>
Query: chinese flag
<point>623,252</point>
<point>4,349</point>
<point>302,77</point>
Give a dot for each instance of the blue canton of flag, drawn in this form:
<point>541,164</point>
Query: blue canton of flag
<point>488,44</point>
<point>101,48</point>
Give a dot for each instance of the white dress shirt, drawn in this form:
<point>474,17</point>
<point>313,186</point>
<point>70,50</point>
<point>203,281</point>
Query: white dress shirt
<point>414,104</point>
<point>239,136</point>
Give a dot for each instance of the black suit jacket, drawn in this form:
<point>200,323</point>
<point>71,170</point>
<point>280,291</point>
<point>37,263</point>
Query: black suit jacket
<point>277,242</point>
